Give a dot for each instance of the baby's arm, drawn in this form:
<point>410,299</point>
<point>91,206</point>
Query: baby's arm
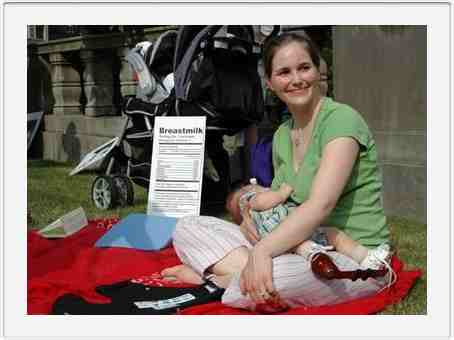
<point>269,199</point>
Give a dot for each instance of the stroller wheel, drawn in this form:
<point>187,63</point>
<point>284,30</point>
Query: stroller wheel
<point>104,192</point>
<point>125,190</point>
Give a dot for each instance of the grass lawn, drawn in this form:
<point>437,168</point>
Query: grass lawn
<point>51,193</point>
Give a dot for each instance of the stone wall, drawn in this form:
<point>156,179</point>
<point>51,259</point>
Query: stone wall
<point>381,71</point>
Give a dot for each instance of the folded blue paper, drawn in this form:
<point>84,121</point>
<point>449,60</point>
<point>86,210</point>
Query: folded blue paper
<point>140,231</point>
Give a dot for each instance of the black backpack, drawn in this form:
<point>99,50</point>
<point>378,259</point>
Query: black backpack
<point>216,74</point>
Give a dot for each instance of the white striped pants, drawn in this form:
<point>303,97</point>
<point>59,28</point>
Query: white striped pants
<point>202,241</point>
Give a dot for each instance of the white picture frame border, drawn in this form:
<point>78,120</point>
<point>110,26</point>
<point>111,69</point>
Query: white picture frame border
<point>437,15</point>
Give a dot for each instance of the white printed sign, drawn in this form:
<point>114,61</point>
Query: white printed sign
<point>177,166</point>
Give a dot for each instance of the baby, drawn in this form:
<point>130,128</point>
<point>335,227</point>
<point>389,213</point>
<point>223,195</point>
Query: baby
<point>269,208</point>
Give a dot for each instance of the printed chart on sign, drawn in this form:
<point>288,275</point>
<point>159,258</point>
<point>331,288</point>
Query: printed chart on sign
<point>177,166</point>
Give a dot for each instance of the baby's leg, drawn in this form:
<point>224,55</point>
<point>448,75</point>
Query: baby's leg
<point>317,243</point>
<point>367,258</point>
<point>345,245</point>
<point>340,241</point>
<point>305,249</point>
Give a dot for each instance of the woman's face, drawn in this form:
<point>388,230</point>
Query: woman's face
<point>294,77</point>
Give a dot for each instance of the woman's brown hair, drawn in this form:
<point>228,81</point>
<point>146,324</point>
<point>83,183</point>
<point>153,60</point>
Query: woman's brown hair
<point>274,43</point>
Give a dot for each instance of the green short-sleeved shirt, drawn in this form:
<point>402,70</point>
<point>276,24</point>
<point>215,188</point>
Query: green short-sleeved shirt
<point>359,210</point>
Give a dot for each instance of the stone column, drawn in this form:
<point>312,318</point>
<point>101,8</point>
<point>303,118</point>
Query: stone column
<point>65,85</point>
<point>127,82</point>
<point>98,82</point>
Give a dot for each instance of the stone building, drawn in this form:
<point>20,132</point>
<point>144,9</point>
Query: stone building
<point>382,72</point>
<point>78,81</point>
<point>77,75</point>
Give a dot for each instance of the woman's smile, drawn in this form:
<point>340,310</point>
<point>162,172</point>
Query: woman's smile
<point>297,92</point>
<point>294,76</point>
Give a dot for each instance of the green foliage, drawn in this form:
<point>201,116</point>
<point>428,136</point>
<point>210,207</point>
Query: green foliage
<point>52,193</point>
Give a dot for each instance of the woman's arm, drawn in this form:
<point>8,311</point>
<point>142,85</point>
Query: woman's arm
<point>335,168</point>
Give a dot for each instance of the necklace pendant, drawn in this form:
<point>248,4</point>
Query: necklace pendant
<point>297,137</point>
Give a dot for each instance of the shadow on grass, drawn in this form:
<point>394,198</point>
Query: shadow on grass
<point>40,163</point>
<point>43,164</point>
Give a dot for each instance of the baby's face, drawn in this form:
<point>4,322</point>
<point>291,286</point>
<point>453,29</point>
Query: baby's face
<point>233,206</point>
<point>233,203</point>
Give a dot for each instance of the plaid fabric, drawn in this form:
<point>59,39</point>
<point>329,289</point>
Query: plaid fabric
<point>268,220</point>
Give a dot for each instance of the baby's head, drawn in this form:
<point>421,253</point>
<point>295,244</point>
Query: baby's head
<point>233,202</point>
<point>233,206</point>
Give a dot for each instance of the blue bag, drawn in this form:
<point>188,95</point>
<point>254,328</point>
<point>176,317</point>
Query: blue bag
<point>261,161</point>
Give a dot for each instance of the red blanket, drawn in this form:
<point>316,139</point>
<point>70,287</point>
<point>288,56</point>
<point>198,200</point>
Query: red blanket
<point>74,265</point>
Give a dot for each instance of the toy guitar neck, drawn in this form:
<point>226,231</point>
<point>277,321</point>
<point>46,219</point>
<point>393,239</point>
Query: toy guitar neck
<point>323,266</point>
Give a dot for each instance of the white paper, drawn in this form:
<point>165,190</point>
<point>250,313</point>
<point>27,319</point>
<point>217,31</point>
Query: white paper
<point>164,304</point>
<point>66,225</point>
<point>177,166</point>
<point>74,221</point>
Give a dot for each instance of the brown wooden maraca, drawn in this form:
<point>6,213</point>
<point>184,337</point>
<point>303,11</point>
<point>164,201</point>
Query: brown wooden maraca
<point>325,268</point>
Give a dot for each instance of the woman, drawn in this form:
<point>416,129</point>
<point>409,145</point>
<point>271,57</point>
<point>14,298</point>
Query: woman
<point>327,154</point>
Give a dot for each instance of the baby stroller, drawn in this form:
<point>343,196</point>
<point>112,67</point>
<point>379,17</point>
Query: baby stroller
<point>197,70</point>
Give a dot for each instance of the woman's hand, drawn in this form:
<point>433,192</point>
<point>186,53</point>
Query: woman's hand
<point>248,227</point>
<point>273,305</point>
<point>256,279</point>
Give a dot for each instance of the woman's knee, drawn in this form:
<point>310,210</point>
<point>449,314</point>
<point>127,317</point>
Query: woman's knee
<point>181,225</point>
<point>186,227</point>
<point>185,233</point>
<point>178,233</point>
